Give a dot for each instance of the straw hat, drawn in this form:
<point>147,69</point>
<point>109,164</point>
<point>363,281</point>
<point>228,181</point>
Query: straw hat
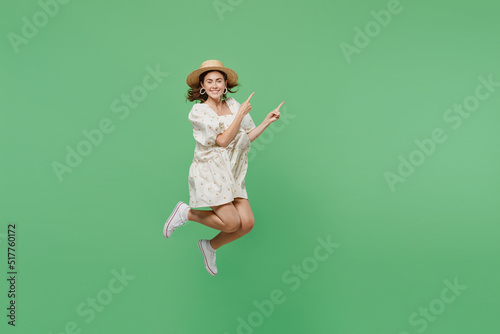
<point>194,77</point>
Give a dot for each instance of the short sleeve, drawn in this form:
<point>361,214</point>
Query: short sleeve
<point>206,127</point>
<point>247,123</point>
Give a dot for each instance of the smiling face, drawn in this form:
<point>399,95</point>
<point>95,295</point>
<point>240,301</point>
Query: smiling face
<point>214,84</point>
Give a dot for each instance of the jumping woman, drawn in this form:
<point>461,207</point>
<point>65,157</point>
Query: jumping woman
<point>223,130</point>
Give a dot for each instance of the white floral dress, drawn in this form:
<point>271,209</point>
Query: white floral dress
<point>217,174</point>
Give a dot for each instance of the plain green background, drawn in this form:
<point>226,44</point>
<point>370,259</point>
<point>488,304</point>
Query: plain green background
<point>318,173</point>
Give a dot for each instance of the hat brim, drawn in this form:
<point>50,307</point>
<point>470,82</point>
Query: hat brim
<point>194,77</point>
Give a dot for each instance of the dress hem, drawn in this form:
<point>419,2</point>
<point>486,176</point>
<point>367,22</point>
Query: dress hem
<point>208,206</point>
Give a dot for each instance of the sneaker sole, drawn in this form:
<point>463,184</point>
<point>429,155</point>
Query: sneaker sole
<point>205,259</point>
<point>169,220</point>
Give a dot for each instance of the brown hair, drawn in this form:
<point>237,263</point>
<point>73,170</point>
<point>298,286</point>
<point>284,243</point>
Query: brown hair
<point>194,93</point>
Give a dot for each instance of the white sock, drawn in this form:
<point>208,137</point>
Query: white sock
<point>209,246</point>
<point>184,213</point>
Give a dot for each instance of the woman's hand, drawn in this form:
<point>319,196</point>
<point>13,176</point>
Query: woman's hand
<point>245,107</point>
<point>273,115</point>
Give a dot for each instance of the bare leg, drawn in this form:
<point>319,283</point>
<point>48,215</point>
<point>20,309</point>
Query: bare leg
<point>244,210</point>
<point>228,223</point>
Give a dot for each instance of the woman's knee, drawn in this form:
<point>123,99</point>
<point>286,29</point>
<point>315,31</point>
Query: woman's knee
<point>232,225</point>
<point>247,225</point>
<point>228,217</point>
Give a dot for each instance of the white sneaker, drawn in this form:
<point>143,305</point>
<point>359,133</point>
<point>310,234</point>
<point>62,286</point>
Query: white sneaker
<point>208,256</point>
<point>176,219</point>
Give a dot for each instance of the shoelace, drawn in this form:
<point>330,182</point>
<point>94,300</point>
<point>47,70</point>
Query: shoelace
<point>213,259</point>
<point>171,227</point>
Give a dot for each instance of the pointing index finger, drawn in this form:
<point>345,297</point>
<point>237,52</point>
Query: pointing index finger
<point>248,100</point>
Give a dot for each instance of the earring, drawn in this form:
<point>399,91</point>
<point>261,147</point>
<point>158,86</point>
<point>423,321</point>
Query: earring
<point>203,92</point>
<point>225,90</point>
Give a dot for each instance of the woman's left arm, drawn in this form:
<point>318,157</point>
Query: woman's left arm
<point>271,117</point>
